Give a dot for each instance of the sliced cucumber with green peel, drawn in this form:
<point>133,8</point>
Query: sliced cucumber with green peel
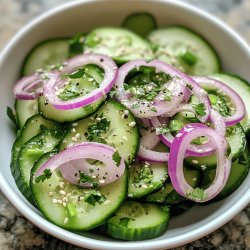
<point>80,83</point>
<point>52,52</point>
<point>185,49</point>
<point>137,221</point>
<point>24,110</point>
<point>141,23</point>
<point>241,87</point>
<point>112,124</point>
<point>181,207</point>
<point>168,195</point>
<point>145,178</point>
<point>31,151</point>
<point>31,128</point>
<point>237,141</point>
<point>120,44</point>
<point>238,173</point>
<point>69,206</point>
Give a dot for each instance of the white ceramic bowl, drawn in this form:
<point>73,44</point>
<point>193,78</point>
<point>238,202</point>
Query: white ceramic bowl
<point>79,16</point>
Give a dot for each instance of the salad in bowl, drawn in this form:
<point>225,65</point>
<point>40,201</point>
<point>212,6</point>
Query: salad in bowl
<point>122,128</point>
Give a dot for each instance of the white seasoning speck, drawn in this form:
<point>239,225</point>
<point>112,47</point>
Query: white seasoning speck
<point>68,194</point>
<point>73,130</point>
<point>132,124</point>
<point>62,192</point>
<point>144,186</point>
<point>75,124</point>
<point>203,167</point>
<point>126,112</point>
<point>194,179</point>
<point>81,198</point>
<point>64,204</point>
<point>195,161</point>
<point>179,135</point>
<point>101,181</point>
<point>125,138</point>
<point>78,135</point>
<point>54,201</point>
<point>74,138</point>
<point>50,194</point>
<point>59,201</point>
<point>61,184</point>
<point>106,202</point>
<point>56,87</point>
<point>130,195</point>
<point>65,199</point>
<point>66,220</point>
<point>98,119</point>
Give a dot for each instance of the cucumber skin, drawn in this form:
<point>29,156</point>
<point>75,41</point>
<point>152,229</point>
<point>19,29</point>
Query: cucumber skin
<point>132,234</point>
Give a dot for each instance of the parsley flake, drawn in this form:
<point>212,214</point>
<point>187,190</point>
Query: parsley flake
<point>197,193</point>
<point>200,109</point>
<point>117,158</point>
<point>46,175</point>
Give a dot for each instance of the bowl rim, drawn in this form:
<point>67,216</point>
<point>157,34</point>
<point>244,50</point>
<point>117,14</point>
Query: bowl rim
<point>84,241</point>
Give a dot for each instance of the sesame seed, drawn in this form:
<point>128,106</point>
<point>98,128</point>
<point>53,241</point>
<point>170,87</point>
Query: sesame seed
<point>66,220</point>
<point>74,139</point>
<point>98,119</point>
<point>65,199</point>
<point>101,181</point>
<point>179,135</point>
<point>68,194</point>
<point>73,130</point>
<point>62,192</point>
<point>194,179</point>
<point>54,201</point>
<point>81,198</point>
<point>78,135</point>
<point>75,124</point>
<point>50,194</point>
<point>126,112</point>
<point>64,204</point>
<point>132,124</point>
<point>125,138</point>
<point>130,195</point>
<point>106,202</point>
<point>195,161</point>
<point>61,184</point>
<point>203,167</point>
<point>144,186</point>
<point>59,201</point>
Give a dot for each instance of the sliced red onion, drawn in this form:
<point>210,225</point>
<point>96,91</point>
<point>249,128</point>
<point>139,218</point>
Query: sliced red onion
<point>177,154</point>
<point>110,74</point>
<point>193,149</point>
<point>28,87</point>
<point>151,155</point>
<point>148,109</point>
<point>239,113</point>
<point>73,161</point>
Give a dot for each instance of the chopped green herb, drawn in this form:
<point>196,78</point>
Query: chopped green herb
<point>46,175</point>
<point>153,109</point>
<point>92,40</point>
<point>77,74</point>
<point>213,99</point>
<point>200,109</point>
<point>76,45</point>
<point>175,126</point>
<point>117,158</point>
<point>167,95</point>
<point>95,130</point>
<point>135,105</point>
<point>124,221</point>
<point>85,178</point>
<point>71,91</point>
<point>145,175</point>
<point>189,86</point>
<point>197,193</point>
<point>189,58</point>
<point>162,130</point>
<point>220,104</point>
<point>95,196</point>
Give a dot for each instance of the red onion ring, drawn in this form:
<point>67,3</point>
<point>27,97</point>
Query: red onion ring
<point>73,159</point>
<point>28,87</point>
<point>177,154</point>
<point>151,155</point>
<point>238,103</point>
<point>110,74</point>
<point>144,110</point>
<point>193,149</point>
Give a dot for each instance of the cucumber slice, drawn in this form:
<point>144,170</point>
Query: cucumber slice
<point>76,212</point>
<point>24,110</point>
<point>145,178</point>
<point>181,207</point>
<point>31,128</point>
<point>31,151</point>
<point>140,23</point>
<point>120,44</point>
<point>168,195</point>
<point>46,53</point>
<point>185,49</point>
<point>237,141</point>
<point>238,173</point>
<point>112,124</point>
<point>89,78</point>
<point>136,221</point>
<point>241,87</point>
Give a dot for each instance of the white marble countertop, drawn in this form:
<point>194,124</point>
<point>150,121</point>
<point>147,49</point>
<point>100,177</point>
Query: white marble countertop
<point>17,233</point>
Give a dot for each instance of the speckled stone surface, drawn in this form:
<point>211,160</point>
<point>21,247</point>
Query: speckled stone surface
<point>17,233</point>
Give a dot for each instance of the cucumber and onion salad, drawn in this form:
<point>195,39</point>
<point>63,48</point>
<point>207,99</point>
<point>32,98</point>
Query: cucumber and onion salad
<point>127,127</point>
